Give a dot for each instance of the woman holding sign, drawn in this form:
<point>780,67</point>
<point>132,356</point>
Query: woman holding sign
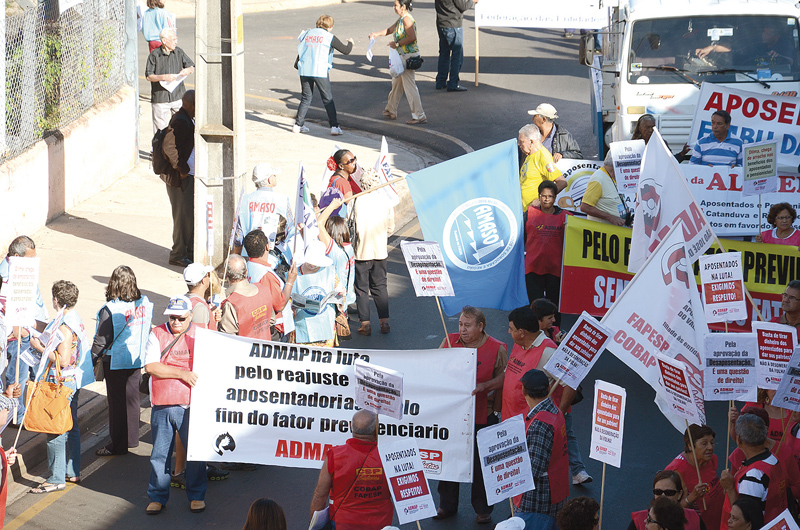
<point>707,496</point>
<point>781,216</point>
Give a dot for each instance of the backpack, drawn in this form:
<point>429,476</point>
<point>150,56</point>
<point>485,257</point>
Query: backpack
<point>161,165</point>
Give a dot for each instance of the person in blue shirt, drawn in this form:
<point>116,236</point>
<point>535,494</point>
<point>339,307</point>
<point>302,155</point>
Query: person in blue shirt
<point>720,148</point>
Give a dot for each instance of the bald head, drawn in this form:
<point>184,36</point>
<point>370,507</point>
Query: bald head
<point>237,269</point>
<point>365,425</point>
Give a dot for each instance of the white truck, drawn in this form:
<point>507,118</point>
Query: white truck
<point>656,53</point>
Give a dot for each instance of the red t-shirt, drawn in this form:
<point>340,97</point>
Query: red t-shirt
<point>770,236</point>
<point>715,497</point>
<point>344,185</point>
<point>544,241</point>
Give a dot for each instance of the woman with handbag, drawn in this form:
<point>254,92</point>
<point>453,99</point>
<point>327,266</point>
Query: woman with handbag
<point>123,325</point>
<point>335,235</point>
<point>67,367</point>
<point>404,40</point>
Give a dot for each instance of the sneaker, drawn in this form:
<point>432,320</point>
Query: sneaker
<point>297,129</point>
<point>581,478</point>
<point>336,131</point>
<point>213,473</point>
<point>178,481</point>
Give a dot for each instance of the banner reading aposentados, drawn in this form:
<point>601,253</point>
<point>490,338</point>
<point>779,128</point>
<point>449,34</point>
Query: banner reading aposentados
<point>472,207</point>
<point>283,404</point>
<point>595,270</point>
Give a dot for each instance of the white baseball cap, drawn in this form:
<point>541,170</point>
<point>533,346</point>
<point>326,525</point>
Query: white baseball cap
<point>315,254</point>
<point>178,305</point>
<point>263,171</point>
<point>546,110</point>
<point>512,523</point>
<point>195,272</point>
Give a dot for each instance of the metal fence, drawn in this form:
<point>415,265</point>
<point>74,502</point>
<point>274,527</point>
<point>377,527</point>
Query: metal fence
<point>59,65</point>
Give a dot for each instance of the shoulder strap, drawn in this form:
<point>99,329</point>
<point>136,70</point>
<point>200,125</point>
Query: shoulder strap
<point>107,346</point>
<point>166,350</point>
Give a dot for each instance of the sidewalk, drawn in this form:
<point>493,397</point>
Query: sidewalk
<point>130,224</point>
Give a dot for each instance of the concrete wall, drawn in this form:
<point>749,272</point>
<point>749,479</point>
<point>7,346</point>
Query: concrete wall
<point>68,167</point>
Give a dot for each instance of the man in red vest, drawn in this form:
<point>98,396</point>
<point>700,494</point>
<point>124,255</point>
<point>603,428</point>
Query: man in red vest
<point>760,477</point>
<point>247,311</point>
<point>492,361</point>
<point>352,475</point>
<point>198,280</point>
<point>168,359</point>
<point>546,434</point>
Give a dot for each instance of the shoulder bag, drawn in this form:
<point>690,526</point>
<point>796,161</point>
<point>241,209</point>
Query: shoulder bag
<point>48,409</point>
<point>414,62</point>
<point>351,226</point>
<point>342,324</point>
<point>97,360</point>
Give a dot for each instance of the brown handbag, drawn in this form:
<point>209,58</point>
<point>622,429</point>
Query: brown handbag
<point>48,409</point>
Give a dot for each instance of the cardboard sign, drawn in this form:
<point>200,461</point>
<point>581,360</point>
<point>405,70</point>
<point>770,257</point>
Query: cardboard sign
<point>427,269</point>
<point>379,389</point>
<point>505,461</point>
<point>775,347</point>
<point>723,287</point>
<point>579,350</point>
<point>787,396</point>
<point>760,168</point>
<point>20,291</point>
<point>627,156</point>
<point>608,420</point>
<point>402,466</point>
<point>674,383</point>
<point>784,521</point>
<point>730,366</point>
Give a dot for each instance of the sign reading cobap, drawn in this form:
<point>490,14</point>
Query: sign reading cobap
<point>479,234</point>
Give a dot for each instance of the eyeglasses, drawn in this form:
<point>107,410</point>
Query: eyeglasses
<point>179,319</point>
<point>784,218</point>
<point>649,519</point>
<point>352,160</point>
<point>668,493</point>
<point>787,297</point>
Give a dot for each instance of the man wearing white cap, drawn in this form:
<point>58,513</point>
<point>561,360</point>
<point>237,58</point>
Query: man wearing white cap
<point>315,281</point>
<point>198,281</point>
<point>263,207</point>
<point>247,311</point>
<point>555,138</point>
<point>168,359</point>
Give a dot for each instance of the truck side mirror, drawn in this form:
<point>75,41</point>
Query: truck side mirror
<point>586,50</point>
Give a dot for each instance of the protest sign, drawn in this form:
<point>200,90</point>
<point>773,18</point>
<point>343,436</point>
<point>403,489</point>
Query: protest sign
<point>723,287</point>
<point>284,404</point>
<point>472,207</point>
<point>384,169</point>
<point>578,351</point>
<point>627,157</point>
<point>577,174</point>
<point>775,347</point>
<point>730,366</point>
<point>523,14</point>
<point>608,420</point>
<point>760,168</point>
<point>379,389</point>
<point>505,462</point>
<point>407,483</point>
<point>787,396</point>
<point>20,291</point>
<point>674,382</point>
<point>755,117</point>
<point>784,521</point>
<point>426,268</point>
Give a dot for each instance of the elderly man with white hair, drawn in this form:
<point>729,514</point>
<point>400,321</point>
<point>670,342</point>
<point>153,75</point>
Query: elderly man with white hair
<point>263,208</point>
<point>538,166</point>
<point>166,63</point>
<point>555,138</point>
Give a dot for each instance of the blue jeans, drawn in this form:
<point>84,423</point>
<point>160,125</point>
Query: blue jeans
<point>323,84</point>
<point>64,450</point>
<point>24,372</point>
<point>164,421</point>
<point>537,521</point>
<point>451,56</point>
<point>575,459</point>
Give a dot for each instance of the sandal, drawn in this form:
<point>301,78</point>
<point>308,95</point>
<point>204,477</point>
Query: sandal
<point>44,487</point>
<point>103,451</point>
<point>416,121</point>
<point>74,480</point>
<point>389,115</point>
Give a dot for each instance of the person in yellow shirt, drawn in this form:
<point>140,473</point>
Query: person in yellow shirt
<point>601,200</point>
<point>538,166</point>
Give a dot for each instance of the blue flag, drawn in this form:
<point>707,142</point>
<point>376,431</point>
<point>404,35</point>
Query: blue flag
<point>471,206</point>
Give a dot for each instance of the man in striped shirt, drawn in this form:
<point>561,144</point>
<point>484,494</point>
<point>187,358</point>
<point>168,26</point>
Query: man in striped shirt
<point>719,148</point>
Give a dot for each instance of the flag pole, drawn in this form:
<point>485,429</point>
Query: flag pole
<point>446,336</point>
<point>379,186</point>
<point>16,380</point>
<point>694,454</point>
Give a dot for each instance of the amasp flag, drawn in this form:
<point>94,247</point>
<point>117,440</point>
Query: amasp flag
<point>470,205</point>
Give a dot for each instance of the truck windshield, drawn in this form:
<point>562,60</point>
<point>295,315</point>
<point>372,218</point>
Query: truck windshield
<point>718,49</point>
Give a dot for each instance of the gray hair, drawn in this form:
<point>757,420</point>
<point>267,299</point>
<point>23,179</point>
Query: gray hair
<point>369,179</point>
<point>237,268</point>
<point>166,32</point>
<point>531,132</point>
<point>20,245</point>
<point>364,423</point>
<point>751,430</point>
<point>608,161</point>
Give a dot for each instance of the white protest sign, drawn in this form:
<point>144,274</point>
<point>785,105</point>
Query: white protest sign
<point>285,404</point>
<point>579,351</point>
<point>627,156</point>
<point>723,287</point>
<point>730,366</point>
<point>379,389</point>
<point>674,383</point>
<point>784,521</point>
<point>506,464</point>
<point>525,14</point>
<point>427,269</point>
<point>787,396</point>
<point>384,169</point>
<point>405,474</point>
<point>20,291</point>
<point>775,347</point>
<point>608,421</point>
<point>760,168</point>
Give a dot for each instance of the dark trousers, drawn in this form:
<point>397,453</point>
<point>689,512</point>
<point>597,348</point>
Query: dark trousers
<point>122,393</point>
<point>182,201</point>
<point>544,286</point>
<point>448,491</point>
<point>307,88</point>
<point>451,56</point>
<point>371,278</point>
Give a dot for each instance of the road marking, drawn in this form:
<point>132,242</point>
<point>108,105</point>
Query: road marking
<point>36,509</point>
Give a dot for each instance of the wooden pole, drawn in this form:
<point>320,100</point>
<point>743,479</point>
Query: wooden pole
<point>22,422</point>
<point>446,337</point>
<point>727,425</point>
<point>511,503</point>
<point>696,465</point>
<point>418,526</point>
<point>16,381</point>
<point>379,186</point>
<point>477,54</point>
<point>602,494</point>
<point>759,213</point>
<point>746,291</point>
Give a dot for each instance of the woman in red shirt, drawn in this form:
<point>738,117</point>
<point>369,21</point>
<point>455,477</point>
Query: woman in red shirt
<point>781,216</point>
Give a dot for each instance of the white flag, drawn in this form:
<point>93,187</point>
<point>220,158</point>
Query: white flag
<point>305,215</point>
<point>660,312</point>
<point>384,169</point>
<point>664,201</point>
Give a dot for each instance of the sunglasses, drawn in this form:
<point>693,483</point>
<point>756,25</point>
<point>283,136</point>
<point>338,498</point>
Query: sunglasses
<point>352,160</point>
<point>649,519</point>
<point>179,319</point>
<point>668,493</point>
